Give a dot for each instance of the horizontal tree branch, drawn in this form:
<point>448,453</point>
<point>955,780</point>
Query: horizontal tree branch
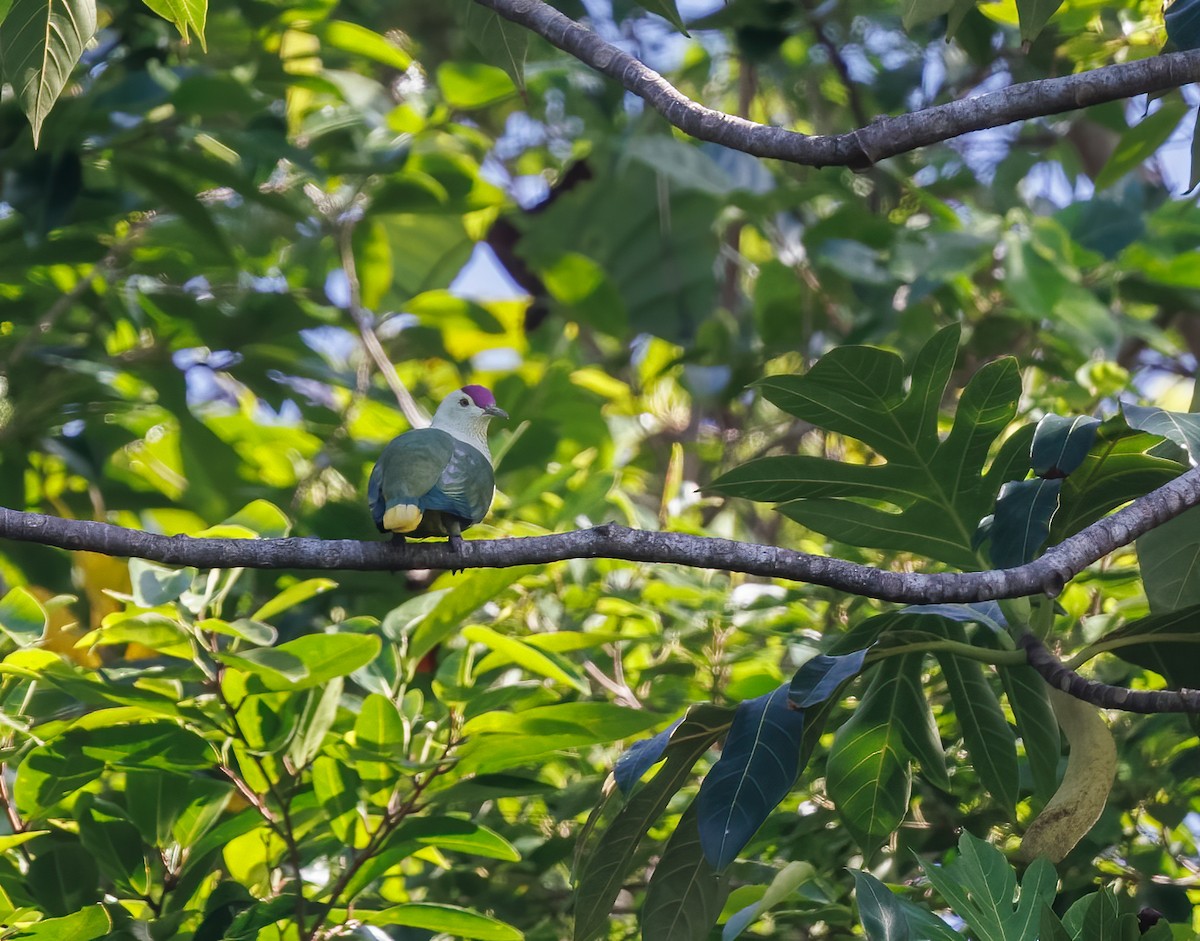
<point>884,137</point>
<point>1145,701</point>
<point>1047,574</point>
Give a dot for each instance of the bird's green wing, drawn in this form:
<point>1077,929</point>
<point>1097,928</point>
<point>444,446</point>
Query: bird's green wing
<point>408,469</point>
<point>465,487</point>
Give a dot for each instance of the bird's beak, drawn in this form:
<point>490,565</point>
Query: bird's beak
<point>495,411</point>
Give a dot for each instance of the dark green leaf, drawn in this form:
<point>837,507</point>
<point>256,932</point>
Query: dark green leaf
<point>816,681</point>
<point>1169,555</point>
<point>685,893</point>
<point>1060,444</point>
<point>1021,523</point>
<point>757,768</point>
<point>606,863</point>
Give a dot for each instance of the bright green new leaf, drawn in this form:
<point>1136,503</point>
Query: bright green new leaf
<point>292,596</point>
<point>471,85</point>
<point>307,661</point>
<point>185,14</point>
<point>523,655</point>
<point>88,924</point>
<point>22,616</point>
<point>360,41</point>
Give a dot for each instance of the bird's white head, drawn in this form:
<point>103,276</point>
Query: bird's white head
<point>465,413</point>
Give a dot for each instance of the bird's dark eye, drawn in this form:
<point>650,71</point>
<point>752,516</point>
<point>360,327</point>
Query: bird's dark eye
<point>462,402</point>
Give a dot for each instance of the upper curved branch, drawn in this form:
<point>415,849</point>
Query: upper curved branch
<point>884,137</point>
<point>1047,574</point>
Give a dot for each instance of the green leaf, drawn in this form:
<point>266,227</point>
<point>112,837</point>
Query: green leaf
<point>757,767</point>
<point>336,786</point>
<point>49,774</point>
<point>1159,655</point>
<point>1141,142</point>
<point>523,655</point>
<point>262,518</point>
<point>937,485</point>
<point>887,917</point>
<point>185,14</point>
<point>668,10</point>
<point>116,846</point>
<point>501,42</point>
<point>685,893</point>
<point>1181,427</point>
<point>1034,15</point>
<point>879,909</point>
<point>606,863</point>
<point>379,726</point>
<point>1169,556</point>
<point>1061,444</point>
<point>472,85</point>
<point>1022,518</point>
<point>22,617</point>
<point>40,42</point>
<point>373,262</point>
<point>867,775</point>
<point>443,919</point>
<point>786,881</point>
<point>821,676</point>
<point>986,733</point>
<point>307,661</point>
<point>1114,473</point>
<point>316,719</point>
<point>916,12</point>
<point>457,835</point>
<point>901,687</point>
<point>86,925</point>
<point>292,596</point>
<point>1036,724</point>
<point>470,594</point>
<point>62,878</point>
<point>982,889</point>
<point>360,41</point>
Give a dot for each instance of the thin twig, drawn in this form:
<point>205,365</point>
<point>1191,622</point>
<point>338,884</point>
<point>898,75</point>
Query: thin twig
<point>885,137</point>
<point>408,405</point>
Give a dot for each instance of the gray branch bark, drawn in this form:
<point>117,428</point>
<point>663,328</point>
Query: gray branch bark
<point>1047,574</point>
<point>1144,701</point>
<point>884,137</point>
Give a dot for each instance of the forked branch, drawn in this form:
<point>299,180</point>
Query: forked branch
<point>884,137</point>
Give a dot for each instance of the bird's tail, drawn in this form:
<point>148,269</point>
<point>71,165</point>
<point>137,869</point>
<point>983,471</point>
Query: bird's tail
<point>402,518</point>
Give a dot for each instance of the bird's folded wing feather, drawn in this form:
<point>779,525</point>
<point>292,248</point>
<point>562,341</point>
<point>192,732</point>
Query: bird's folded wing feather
<point>408,469</point>
<point>466,485</point>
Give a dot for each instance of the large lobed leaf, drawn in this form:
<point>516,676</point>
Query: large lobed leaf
<point>931,493</point>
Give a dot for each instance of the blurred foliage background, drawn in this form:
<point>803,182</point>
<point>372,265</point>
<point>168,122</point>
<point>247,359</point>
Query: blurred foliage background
<point>219,250</point>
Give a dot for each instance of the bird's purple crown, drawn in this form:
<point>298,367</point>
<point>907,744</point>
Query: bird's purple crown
<point>480,396</point>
